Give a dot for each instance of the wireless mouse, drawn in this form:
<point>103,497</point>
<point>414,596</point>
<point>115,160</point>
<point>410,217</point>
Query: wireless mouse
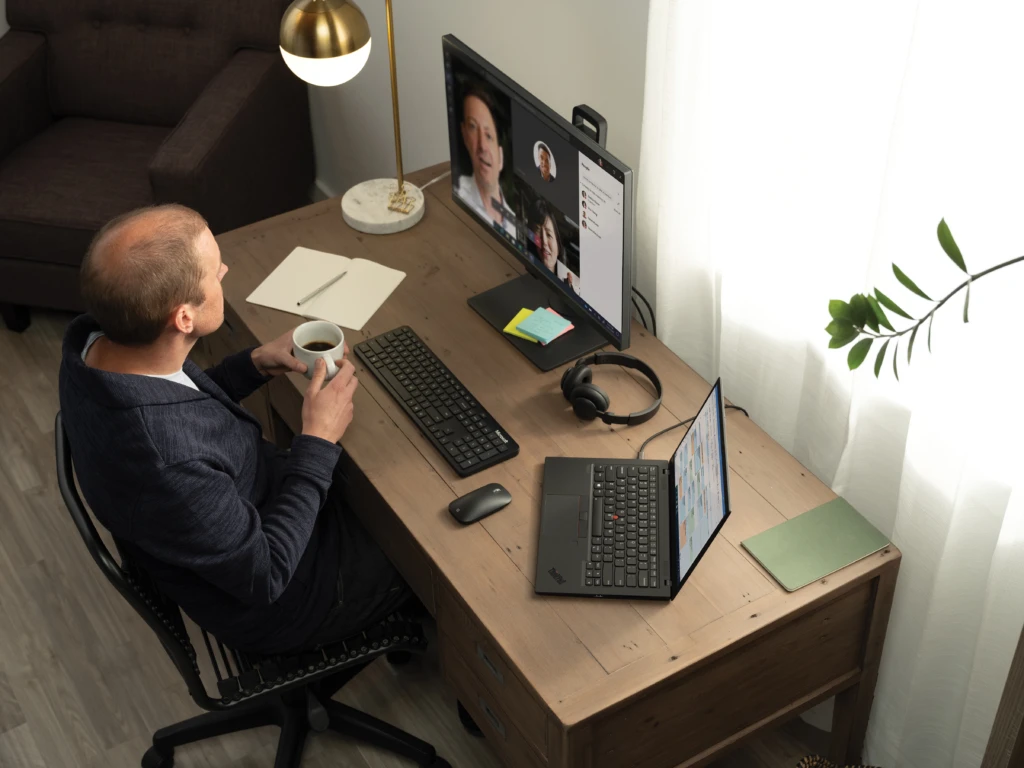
<point>480,503</point>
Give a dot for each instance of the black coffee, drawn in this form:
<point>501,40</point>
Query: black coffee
<point>318,346</point>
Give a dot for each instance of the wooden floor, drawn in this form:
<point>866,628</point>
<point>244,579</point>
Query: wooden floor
<point>84,683</point>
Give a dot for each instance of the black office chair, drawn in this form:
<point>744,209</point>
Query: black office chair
<point>290,691</point>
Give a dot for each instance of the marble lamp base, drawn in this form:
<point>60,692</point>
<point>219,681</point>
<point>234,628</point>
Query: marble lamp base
<point>365,207</point>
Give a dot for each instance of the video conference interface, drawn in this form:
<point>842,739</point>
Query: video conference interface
<point>524,180</point>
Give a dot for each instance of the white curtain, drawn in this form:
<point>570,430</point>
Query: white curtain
<point>790,152</point>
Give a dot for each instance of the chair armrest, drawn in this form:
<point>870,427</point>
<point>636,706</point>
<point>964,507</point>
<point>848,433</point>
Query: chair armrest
<point>24,105</point>
<point>243,151</point>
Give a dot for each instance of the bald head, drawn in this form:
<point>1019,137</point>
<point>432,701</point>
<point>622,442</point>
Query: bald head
<point>140,267</point>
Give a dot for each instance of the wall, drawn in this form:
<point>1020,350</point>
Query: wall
<point>3,18</point>
<point>565,53</point>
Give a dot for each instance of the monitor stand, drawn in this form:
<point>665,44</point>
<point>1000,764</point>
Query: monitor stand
<point>499,305</point>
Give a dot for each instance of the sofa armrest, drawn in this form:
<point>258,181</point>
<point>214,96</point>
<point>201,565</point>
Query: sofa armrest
<point>24,105</point>
<point>243,151</point>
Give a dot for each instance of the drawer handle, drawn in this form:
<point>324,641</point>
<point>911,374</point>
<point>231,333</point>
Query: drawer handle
<point>490,664</point>
<point>496,724</point>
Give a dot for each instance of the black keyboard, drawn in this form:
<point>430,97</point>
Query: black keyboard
<point>624,527</point>
<point>451,418</point>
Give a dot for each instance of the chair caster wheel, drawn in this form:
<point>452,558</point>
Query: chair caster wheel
<point>157,758</point>
<point>467,721</point>
<point>399,658</point>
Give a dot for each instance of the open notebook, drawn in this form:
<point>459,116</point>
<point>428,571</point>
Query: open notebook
<point>350,302</point>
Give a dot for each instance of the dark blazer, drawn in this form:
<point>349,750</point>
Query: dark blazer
<point>226,524</point>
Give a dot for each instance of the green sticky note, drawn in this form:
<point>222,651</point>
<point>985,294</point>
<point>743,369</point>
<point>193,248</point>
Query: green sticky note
<point>543,325</point>
<point>813,545</point>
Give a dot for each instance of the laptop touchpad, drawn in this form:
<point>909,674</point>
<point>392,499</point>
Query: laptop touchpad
<point>561,516</point>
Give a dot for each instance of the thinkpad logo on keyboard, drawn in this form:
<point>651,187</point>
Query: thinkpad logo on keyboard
<point>556,576</point>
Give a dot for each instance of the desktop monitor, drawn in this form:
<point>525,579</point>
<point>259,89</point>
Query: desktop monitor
<point>552,196</point>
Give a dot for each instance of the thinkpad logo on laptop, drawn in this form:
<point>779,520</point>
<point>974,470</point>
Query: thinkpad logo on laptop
<point>556,576</point>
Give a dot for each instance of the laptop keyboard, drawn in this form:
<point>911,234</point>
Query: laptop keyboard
<point>624,527</point>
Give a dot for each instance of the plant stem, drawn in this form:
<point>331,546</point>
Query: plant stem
<point>939,303</point>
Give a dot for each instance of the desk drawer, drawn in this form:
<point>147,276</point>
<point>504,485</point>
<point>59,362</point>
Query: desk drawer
<point>696,713</point>
<point>488,664</point>
<point>505,739</point>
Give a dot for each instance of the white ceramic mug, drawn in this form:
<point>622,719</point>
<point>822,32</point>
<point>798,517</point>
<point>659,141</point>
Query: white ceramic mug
<point>322,331</point>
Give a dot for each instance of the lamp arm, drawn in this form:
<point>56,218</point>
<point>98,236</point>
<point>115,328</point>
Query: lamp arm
<point>394,98</point>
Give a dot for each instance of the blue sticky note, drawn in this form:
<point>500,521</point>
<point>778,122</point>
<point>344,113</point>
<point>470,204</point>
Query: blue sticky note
<point>543,325</point>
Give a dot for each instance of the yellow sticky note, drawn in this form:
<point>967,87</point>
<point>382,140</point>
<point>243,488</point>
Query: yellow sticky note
<point>510,329</point>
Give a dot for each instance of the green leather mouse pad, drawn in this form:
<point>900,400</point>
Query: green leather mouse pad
<point>815,544</point>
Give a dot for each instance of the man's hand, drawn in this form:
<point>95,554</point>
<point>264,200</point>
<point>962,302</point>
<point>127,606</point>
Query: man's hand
<point>276,357</point>
<point>327,410</point>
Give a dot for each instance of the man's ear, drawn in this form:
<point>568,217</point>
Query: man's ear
<point>183,319</point>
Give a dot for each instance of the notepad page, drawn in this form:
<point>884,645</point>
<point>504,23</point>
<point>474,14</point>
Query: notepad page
<point>350,302</point>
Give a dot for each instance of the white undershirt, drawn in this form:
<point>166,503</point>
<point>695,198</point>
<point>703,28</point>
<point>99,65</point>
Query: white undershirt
<point>179,376</point>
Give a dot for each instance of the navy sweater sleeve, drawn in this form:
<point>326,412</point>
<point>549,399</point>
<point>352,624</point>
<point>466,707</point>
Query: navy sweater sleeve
<point>237,375</point>
<point>209,529</point>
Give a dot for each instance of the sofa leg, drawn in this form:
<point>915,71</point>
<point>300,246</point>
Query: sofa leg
<point>16,317</point>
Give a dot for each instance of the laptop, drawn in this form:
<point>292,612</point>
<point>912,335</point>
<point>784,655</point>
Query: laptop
<point>634,528</point>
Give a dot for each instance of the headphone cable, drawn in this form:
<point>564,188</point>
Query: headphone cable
<point>640,453</point>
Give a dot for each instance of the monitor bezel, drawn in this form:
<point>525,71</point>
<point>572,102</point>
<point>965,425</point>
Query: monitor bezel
<point>677,582</point>
<point>451,44</point>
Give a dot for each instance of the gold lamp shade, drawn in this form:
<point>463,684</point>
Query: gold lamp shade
<point>325,42</point>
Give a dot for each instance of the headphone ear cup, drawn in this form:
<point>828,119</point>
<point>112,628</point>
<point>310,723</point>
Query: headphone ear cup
<point>589,400</point>
<point>573,377</point>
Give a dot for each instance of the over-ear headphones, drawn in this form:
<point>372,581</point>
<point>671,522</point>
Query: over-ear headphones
<point>589,401</point>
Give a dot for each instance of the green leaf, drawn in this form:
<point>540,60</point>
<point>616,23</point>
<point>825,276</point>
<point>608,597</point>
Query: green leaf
<point>967,300</point>
<point>839,310</point>
<point>858,352</point>
<point>949,246</point>
<point>895,357</point>
<point>930,320</point>
<point>859,310</point>
<point>879,314</point>
<point>891,305</point>
<point>908,283</point>
<point>842,333</point>
<point>880,358</point>
<point>910,347</point>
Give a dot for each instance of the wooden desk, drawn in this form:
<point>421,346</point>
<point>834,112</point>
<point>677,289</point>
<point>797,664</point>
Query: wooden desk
<point>556,681</point>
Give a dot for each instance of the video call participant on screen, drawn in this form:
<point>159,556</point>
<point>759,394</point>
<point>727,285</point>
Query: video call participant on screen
<point>481,189</point>
<point>544,161</point>
<point>549,243</point>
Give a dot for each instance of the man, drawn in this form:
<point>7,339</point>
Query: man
<point>481,190</point>
<point>544,162</point>
<point>229,527</point>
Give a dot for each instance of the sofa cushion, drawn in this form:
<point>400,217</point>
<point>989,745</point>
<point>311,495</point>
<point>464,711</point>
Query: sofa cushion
<point>59,188</point>
<point>141,61</point>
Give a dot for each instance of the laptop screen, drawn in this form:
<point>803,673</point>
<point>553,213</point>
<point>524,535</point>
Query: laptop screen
<point>700,493</point>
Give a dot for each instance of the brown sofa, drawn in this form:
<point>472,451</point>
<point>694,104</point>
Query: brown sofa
<point>107,105</point>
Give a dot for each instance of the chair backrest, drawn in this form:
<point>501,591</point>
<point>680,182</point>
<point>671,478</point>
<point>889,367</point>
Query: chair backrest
<point>243,675</point>
<point>159,612</point>
<point>141,61</point>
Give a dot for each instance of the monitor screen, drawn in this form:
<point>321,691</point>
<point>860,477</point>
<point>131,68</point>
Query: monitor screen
<point>700,492</point>
<point>553,197</point>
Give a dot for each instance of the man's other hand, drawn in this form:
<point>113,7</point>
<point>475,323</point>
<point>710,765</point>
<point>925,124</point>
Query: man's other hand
<point>327,410</point>
<point>275,357</point>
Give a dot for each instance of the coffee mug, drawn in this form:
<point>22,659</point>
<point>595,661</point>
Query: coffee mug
<point>319,339</point>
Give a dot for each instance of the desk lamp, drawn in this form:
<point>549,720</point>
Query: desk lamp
<point>325,43</point>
